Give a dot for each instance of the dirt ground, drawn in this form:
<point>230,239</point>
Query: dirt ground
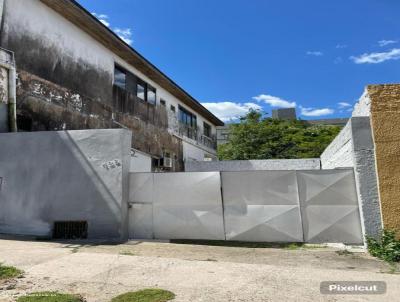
<point>193,272</point>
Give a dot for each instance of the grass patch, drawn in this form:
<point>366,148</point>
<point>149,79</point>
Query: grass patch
<point>8,272</point>
<point>146,295</point>
<point>127,253</point>
<point>49,297</point>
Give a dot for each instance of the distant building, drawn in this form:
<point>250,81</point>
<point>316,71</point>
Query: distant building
<point>284,114</point>
<point>223,134</point>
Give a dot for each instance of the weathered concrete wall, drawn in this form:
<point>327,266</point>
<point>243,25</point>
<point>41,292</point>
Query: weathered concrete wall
<point>45,106</point>
<point>253,165</point>
<point>353,147</point>
<point>3,99</point>
<point>385,116</point>
<point>366,176</point>
<point>52,48</point>
<point>65,176</point>
<point>339,154</point>
<point>67,81</point>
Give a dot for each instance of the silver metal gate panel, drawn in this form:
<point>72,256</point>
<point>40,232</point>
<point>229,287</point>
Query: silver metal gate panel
<point>141,190</point>
<point>188,206</point>
<point>262,206</point>
<point>329,206</point>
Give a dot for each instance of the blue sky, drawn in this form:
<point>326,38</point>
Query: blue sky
<point>232,55</point>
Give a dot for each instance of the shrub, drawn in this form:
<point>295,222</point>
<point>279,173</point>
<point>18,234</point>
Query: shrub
<point>387,247</point>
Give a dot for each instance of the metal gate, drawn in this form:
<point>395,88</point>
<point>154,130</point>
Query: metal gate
<point>259,206</point>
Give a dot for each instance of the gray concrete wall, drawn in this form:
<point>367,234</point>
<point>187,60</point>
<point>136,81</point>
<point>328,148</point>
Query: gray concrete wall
<point>253,165</point>
<point>354,147</point>
<point>65,175</point>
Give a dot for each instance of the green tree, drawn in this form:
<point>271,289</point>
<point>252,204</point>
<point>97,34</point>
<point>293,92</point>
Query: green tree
<point>257,137</point>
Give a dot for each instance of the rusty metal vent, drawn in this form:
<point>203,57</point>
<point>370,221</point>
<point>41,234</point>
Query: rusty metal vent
<point>70,230</point>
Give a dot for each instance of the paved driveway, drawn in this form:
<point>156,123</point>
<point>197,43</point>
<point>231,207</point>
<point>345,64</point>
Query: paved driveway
<point>192,272</point>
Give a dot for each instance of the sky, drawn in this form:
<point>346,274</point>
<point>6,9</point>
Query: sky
<point>233,55</point>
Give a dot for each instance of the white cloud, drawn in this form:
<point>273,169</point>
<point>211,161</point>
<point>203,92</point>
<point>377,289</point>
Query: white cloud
<point>316,111</point>
<point>377,57</point>
<point>343,105</point>
<point>274,101</point>
<point>227,111</point>
<point>102,18</point>
<point>340,46</point>
<point>124,33</point>
<point>314,53</point>
<point>383,43</point>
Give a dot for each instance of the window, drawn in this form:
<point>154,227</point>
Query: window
<point>162,102</point>
<point>141,89</point>
<point>173,108</point>
<point>119,77</point>
<point>207,129</point>
<point>187,118</point>
<point>151,95</point>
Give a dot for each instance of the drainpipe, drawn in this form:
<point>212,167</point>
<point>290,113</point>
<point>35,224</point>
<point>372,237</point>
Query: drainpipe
<point>9,64</point>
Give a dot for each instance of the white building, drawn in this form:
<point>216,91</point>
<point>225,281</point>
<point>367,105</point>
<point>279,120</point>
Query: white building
<point>75,73</point>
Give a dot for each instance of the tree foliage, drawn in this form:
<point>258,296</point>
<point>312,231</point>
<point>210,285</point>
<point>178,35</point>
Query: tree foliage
<point>256,137</point>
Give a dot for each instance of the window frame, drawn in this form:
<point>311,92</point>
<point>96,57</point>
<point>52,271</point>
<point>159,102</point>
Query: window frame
<point>154,90</point>
<point>122,71</point>
<point>187,118</point>
<point>209,131</point>
<point>140,82</point>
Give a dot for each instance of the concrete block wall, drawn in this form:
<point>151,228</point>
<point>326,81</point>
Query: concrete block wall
<point>354,147</point>
<point>65,176</point>
<point>339,154</point>
<point>253,165</point>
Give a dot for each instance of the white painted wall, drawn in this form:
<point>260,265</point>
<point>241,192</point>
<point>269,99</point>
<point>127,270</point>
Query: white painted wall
<point>339,154</point>
<point>363,106</point>
<point>195,153</point>
<point>140,162</point>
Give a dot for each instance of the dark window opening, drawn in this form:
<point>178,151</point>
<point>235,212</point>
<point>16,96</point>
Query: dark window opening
<point>207,129</point>
<point>120,77</point>
<point>151,94</point>
<point>141,89</point>
<point>173,108</point>
<point>163,103</point>
<point>70,230</point>
<point>187,118</point>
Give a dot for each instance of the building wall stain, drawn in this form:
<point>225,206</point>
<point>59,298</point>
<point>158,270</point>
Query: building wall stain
<point>46,106</point>
<point>49,62</point>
